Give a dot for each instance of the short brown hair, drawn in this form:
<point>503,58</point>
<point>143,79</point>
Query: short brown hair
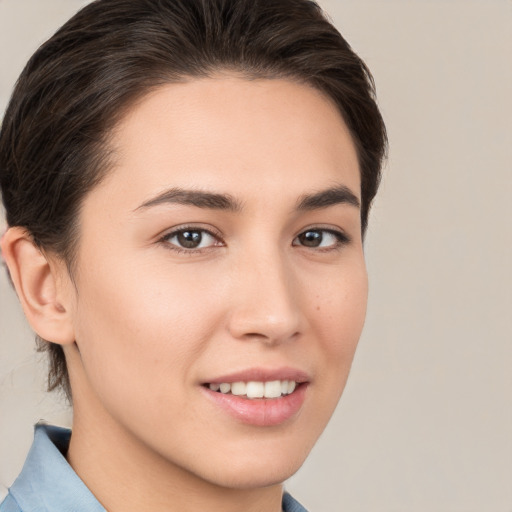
<point>75,88</point>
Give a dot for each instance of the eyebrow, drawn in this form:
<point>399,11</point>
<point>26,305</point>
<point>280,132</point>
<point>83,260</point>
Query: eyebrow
<point>215,201</point>
<point>198,198</point>
<point>329,197</point>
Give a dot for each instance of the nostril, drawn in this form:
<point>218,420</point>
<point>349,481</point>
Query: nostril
<point>277,337</point>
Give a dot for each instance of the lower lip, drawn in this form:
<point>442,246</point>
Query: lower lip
<point>261,412</point>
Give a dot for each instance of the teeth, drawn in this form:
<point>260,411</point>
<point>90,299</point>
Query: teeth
<point>225,387</point>
<point>254,389</point>
<point>238,388</point>
<point>273,389</point>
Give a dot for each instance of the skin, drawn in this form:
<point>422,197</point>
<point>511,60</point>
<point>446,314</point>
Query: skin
<point>145,324</point>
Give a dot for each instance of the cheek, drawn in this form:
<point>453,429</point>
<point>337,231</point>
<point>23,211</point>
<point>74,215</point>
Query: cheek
<point>340,310</point>
<point>136,323</point>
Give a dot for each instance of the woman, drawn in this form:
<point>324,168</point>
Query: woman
<point>187,186</point>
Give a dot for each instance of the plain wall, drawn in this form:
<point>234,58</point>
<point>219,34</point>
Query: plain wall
<point>425,424</point>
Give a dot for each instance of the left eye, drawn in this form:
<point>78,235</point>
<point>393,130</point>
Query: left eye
<point>320,238</point>
<point>191,239</point>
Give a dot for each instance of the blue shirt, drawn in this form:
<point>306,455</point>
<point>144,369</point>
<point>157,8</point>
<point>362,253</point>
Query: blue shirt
<point>47,482</point>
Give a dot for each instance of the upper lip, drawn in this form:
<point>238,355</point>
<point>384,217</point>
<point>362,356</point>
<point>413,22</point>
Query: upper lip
<point>262,375</point>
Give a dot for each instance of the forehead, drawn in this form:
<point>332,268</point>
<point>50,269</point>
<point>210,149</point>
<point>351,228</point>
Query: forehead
<point>232,135</point>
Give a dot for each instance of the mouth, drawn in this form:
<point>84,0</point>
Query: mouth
<point>259,397</point>
<point>255,389</point>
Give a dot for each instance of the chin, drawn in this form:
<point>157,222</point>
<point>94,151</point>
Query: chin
<point>256,476</point>
<point>257,468</point>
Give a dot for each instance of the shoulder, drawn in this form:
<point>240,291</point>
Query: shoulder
<point>9,505</point>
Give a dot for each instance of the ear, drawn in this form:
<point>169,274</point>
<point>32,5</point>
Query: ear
<point>42,286</point>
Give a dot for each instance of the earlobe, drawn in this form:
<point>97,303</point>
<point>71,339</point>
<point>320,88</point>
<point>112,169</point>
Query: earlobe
<point>39,287</point>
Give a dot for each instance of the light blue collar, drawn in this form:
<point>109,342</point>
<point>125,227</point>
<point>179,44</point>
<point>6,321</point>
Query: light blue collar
<point>47,482</point>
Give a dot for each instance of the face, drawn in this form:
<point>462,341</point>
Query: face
<point>221,285</point>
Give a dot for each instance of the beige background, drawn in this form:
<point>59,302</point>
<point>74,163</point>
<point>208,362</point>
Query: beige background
<point>425,424</point>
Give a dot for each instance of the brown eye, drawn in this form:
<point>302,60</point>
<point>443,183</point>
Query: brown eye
<point>321,239</point>
<point>191,239</point>
<point>311,238</point>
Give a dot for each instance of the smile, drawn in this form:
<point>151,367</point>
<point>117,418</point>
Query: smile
<point>260,397</point>
<point>256,389</point>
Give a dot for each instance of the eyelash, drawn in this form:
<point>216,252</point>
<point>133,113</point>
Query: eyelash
<point>342,239</point>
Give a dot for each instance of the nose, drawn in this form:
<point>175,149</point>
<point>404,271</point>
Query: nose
<point>265,302</point>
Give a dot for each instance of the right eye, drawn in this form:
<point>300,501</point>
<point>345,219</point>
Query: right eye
<point>190,239</point>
